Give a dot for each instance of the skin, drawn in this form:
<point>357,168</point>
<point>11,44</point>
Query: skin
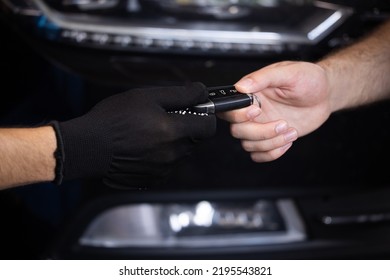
<point>298,97</point>
<point>27,156</point>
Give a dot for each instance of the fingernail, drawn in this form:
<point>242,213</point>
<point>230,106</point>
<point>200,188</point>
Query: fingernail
<point>253,112</point>
<point>245,84</point>
<point>291,135</point>
<point>281,127</point>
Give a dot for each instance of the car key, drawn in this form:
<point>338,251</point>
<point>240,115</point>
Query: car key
<point>224,98</point>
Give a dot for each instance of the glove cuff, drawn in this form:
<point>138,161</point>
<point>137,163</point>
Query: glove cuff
<point>58,154</point>
<point>82,150</point>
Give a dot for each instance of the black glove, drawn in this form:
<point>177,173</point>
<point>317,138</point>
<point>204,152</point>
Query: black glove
<point>130,139</point>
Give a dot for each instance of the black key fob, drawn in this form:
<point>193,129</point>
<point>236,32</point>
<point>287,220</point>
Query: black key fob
<point>222,99</point>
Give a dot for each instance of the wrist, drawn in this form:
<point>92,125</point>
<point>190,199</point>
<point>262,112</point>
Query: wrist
<point>49,145</point>
<point>336,97</point>
<point>27,156</point>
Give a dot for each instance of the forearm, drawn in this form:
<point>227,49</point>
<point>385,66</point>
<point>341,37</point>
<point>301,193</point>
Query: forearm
<point>26,156</point>
<point>360,74</point>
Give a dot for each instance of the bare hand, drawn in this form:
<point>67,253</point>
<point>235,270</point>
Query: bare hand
<point>294,100</point>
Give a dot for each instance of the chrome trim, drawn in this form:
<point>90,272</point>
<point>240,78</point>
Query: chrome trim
<point>177,35</point>
<point>319,30</point>
<point>28,10</point>
<point>141,226</point>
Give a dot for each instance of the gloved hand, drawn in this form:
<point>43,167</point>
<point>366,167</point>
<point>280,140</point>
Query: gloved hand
<point>129,139</point>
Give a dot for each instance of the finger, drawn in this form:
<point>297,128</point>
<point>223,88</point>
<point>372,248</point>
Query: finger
<point>190,95</point>
<point>193,126</point>
<point>270,144</point>
<point>177,97</point>
<point>258,131</point>
<point>241,115</point>
<point>263,78</point>
<point>270,155</point>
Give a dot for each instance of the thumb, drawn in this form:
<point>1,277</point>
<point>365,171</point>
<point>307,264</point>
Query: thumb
<point>180,97</point>
<point>261,79</point>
